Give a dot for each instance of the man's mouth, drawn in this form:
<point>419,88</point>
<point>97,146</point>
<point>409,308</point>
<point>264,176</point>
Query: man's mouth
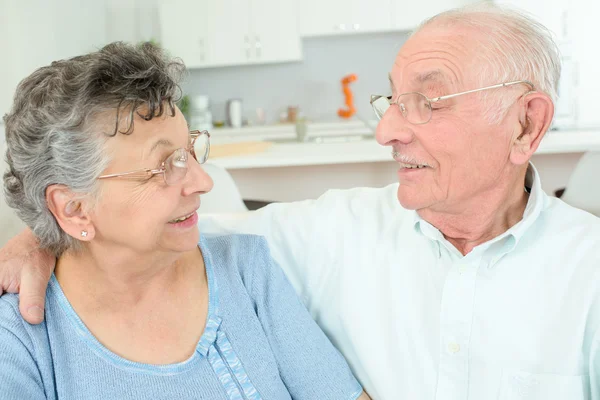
<point>181,219</point>
<point>407,162</point>
<point>413,166</point>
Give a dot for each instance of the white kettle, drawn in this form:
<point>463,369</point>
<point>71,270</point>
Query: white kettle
<point>233,111</point>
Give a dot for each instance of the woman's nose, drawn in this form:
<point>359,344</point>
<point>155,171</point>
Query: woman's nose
<point>196,180</point>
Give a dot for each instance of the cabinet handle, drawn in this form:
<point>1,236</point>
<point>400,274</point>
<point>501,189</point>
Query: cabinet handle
<point>247,41</point>
<point>202,50</point>
<point>258,46</point>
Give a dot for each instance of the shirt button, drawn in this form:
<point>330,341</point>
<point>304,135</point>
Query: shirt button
<point>453,348</point>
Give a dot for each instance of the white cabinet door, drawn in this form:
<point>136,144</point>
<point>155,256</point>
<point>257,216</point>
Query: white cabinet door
<point>184,32</point>
<point>324,17</point>
<point>370,15</point>
<point>341,17</point>
<point>209,33</point>
<point>228,31</point>
<point>407,16</point>
<point>274,33</point>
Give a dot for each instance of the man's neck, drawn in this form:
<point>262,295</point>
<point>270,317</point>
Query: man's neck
<point>483,217</point>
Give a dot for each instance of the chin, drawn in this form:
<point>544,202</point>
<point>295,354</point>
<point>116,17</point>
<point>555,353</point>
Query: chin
<point>410,200</point>
<point>185,242</point>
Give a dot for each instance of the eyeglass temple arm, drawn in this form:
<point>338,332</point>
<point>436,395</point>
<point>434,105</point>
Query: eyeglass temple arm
<point>481,89</point>
<point>139,171</point>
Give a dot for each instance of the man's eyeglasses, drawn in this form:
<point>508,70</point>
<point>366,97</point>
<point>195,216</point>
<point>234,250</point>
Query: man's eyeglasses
<point>175,167</point>
<point>416,107</point>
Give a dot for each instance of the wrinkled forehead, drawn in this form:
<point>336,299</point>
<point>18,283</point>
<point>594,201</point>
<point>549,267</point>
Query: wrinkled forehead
<point>437,58</point>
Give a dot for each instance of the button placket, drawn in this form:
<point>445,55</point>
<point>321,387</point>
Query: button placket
<point>456,316</point>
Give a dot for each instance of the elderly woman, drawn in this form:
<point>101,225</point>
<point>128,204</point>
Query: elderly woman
<point>107,176</point>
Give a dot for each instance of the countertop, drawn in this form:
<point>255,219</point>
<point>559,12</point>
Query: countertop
<point>292,154</point>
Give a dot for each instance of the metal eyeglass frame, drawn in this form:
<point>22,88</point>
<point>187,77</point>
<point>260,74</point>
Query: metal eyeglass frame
<point>445,97</point>
<point>148,172</point>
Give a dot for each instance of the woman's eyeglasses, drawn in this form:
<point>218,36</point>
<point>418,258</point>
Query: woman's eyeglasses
<point>175,167</point>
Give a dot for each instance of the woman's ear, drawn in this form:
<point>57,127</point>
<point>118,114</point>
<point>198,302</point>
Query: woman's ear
<point>536,119</point>
<point>70,212</point>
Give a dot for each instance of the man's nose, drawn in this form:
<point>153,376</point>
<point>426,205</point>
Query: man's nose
<point>393,127</point>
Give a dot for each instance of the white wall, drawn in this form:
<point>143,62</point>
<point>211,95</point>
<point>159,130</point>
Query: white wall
<point>313,85</point>
<point>36,32</point>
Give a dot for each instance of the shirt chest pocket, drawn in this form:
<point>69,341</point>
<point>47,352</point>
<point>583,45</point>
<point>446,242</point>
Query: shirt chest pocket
<point>520,385</point>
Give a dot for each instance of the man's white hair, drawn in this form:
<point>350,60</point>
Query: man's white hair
<point>517,48</point>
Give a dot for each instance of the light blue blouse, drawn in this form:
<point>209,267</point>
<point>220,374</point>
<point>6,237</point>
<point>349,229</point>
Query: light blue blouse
<point>259,343</point>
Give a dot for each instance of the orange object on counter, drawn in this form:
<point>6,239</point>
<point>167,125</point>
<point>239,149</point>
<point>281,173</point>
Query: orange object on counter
<point>349,97</point>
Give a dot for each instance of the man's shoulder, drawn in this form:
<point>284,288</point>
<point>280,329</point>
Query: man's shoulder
<point>363,204</point>
<point>383,195</point>
<point>562,216</point>
<point>570,228</point>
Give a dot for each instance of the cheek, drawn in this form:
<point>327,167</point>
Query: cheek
<point>140,205</point>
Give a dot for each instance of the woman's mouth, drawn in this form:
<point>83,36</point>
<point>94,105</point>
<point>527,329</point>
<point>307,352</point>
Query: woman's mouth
<point>181,219</point>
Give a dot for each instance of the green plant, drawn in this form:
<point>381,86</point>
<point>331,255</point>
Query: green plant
<point>184,106</point>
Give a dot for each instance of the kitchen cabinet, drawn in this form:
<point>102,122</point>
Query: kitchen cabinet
<point>274,24</point>
<point>184,31</point>
<point>406,16</point>
<point>341,17</point>
<point>230,32</point>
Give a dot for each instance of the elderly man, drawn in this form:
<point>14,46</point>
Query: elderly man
<point>465,280</point>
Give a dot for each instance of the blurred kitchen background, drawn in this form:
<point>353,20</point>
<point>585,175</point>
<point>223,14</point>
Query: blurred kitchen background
<point>265,79</point>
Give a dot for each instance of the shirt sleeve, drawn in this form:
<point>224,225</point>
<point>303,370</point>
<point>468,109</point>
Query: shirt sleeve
<point>595,368</point>
<point>310,366</point>
<point>20,378</point>
<point>290,229</point>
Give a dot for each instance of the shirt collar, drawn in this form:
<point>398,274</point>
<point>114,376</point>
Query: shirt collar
<point>535,205</point>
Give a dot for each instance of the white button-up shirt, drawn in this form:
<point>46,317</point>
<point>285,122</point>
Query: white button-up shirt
<point>516,318</point>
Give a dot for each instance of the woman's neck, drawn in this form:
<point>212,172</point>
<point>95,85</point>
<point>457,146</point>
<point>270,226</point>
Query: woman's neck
<point>117,278</point>
<point>146,309</point>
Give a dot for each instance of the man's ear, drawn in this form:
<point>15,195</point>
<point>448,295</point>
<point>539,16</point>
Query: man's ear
<point>536,117</point>
<point>70,212</point>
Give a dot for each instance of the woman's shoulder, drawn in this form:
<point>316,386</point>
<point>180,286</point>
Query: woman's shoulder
<point>10,317</point>
<point>14,328</point>
<point>235,249</point>
<point>11,321</point>
<point>246,256</point>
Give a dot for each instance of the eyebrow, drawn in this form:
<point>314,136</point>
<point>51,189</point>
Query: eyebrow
<point>161,142</point>
<point>435,75</point>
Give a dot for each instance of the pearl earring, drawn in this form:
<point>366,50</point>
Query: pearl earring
<point>84,233</point>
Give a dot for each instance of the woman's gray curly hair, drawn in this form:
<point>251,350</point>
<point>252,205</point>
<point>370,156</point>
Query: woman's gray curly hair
<point>57,128</point>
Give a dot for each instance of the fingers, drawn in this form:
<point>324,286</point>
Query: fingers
<point>34,281</point>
